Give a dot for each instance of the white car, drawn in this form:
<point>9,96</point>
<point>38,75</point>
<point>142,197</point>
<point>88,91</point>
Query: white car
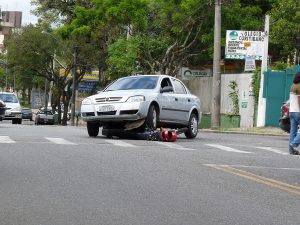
<point>151,100</point>
<point>13,110</point>
<point>44,116</point>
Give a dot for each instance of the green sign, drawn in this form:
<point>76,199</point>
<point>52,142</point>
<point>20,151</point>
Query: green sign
<point>244,105</point>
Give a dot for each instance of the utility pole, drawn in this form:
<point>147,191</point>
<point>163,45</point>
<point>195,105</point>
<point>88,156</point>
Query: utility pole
<point>73,99</point>
<point>261,108</point>
<point>216,85</point>
<point>46,96</point>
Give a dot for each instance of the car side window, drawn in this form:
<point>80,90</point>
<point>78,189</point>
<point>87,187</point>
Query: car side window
<point>165,82</point>
<point>179,88</point>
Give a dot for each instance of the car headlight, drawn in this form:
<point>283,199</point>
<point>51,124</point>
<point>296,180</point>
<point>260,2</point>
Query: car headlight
<point>2,104</point>
<point>137,98</point>
<point>86,101</point>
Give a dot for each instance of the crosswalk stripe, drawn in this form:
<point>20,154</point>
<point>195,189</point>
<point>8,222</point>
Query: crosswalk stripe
<point>273,150</point>
<point>6,140</point>
<point>120,143</point>
<point>60,141</point>
<point>225,148</point>
<point>176,146</point>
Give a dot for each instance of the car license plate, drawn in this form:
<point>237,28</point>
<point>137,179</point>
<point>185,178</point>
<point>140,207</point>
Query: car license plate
<point>106,108</point>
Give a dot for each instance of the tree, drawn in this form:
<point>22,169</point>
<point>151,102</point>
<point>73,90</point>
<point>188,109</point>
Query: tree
<point>163,35</point>
<point>57,11</point>
<point>157,21</point>
<point>284,28</point>
<point>32,55</point>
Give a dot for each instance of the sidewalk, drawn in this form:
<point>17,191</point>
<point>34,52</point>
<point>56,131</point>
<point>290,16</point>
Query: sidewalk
<point>253,130</point>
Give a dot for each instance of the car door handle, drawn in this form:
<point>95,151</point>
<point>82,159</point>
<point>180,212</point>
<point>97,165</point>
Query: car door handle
<point>176,99</point>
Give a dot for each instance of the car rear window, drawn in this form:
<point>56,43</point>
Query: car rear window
<point>132,83</point>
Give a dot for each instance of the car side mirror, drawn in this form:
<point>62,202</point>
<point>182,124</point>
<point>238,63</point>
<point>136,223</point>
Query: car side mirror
<point>166,89</point>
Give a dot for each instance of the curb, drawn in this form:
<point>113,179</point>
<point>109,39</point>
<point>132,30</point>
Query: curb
<point>242,132</point>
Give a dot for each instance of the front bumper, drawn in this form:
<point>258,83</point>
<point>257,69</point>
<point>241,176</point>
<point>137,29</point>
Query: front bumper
<point>124,111</point>
<point>12,115</point>
<point>44,121</point>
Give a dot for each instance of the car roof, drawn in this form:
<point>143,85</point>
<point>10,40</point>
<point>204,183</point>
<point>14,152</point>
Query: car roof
<point>148,75</point>
<point>4,92</point>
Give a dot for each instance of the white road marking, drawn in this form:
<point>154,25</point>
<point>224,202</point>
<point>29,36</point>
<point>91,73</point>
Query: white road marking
<point>60,141</point>
<point>273,150</point>
<point>120,143</point>
<point>228,149</point>
<point>176,146</point>
<point>6,140</point>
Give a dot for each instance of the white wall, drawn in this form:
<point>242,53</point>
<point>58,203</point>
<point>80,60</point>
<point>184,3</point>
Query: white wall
<point>202,87</point>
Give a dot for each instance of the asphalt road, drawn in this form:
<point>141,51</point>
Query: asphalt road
<point>54,175</point>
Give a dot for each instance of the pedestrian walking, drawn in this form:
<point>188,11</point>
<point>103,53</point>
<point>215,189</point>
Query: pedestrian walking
<point>294,141</point>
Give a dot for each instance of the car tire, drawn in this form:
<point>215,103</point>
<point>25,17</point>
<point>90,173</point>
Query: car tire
<point>93,129</point>
<point>192,127</point>
<point>152,118</point>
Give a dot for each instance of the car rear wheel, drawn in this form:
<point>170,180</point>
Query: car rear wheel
<point>93,129</point>
<point>192,127</point>
<point>152,118</point>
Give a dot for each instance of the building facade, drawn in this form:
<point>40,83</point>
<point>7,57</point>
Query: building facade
<point>8,20</point>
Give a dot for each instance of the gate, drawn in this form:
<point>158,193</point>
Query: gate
<point>276,90</point>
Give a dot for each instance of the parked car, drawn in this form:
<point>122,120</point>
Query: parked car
<point>13,107</point>
<point>2,110</point>
<point>151,100</point>
<point>27,114</point>
<point>44,116</point>
<point>284,121</point>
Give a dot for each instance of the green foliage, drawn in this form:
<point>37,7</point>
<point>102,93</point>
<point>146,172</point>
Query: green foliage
<point>171,33</point>
<point>255,84</point>
<point>280,65</point>
<point>123,55</point>
<point>234,96</point>
<point>284,27</point>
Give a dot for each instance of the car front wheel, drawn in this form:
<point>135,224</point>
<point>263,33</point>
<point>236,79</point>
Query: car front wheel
<point>192,127</point>
<point>152,118</point>
<point>93,129</point>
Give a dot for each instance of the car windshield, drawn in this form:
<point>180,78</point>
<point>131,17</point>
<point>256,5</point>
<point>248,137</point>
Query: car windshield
<point>48,112</point>
<point>133,83</point>
<point>8,97</point>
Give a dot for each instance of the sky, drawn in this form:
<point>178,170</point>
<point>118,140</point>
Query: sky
<point>19,5</point>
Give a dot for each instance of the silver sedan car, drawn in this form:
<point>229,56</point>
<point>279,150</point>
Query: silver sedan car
<point>140,102</point>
